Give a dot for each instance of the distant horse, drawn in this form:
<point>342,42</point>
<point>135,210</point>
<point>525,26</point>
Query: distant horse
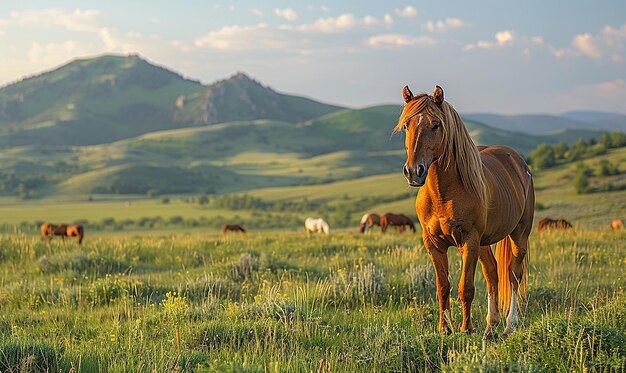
<point>50,230</point>
<point>399,220</point>
<point>470,197</point>
<point>316,225</point>
<point>233,228</point>
<point>368,221</point>
<point>617,224</point>
<point>75,230</point>
<point>547,223</point>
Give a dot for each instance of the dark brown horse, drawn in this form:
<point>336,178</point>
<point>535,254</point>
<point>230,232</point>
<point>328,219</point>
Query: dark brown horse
<point>233,228</point>
<point>398,220</point>
<point>547,223</point>
<point>368,221</point>
<point>75,230</point>
<point>471,198</point>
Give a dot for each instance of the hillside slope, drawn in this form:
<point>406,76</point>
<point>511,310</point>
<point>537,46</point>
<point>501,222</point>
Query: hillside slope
<point>108,98</point>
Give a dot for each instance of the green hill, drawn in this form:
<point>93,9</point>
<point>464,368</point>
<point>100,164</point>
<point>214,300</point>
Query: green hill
<point>120,124</point>
<point>108,98</point>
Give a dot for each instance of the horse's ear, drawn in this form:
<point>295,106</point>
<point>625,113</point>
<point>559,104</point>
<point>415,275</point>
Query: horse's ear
<point>407,94</point>
<point>438,95</point>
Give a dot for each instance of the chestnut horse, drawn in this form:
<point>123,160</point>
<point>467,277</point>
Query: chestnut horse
<point>470,197</point>
<point>232,227</point>
<point>368,221</point>
<point>617,224</point>
<point>547,223</point>
<point>399,220</point>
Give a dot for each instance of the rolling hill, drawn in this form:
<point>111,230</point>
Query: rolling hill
<point>108,98</point>
<point>122,125</point>
<point>586,123</point>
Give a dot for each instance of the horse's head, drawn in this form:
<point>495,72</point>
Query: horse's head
<point>422,120</point>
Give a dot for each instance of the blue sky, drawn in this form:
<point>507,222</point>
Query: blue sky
<point>492,56</point>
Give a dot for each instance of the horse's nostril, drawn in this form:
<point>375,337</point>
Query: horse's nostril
<point>420,170</point>
<point>406,171</point>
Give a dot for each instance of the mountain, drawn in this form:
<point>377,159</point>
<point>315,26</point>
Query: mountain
<point>108,98</point>
<point>589,116</point>
<point>122,125</point>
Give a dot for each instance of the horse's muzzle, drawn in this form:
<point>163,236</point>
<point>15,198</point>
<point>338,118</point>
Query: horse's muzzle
<point>415,175</point>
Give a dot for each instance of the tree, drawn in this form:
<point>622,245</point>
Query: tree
<point>559,150</point>
<point>542,157</point>
<point>578,150</point>
<point>581,181</point>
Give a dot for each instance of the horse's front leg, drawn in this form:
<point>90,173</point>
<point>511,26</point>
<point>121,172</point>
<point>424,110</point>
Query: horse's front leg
<point>469,250</point>
<point>439,257</point>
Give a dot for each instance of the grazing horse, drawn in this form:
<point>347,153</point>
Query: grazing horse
<point>316,225</point>
<point>547,223</point>
<point>399,220</point>
<point>617,224</point>
<point>470,197</point>
<point>368,221</point>
<point>50,230</point>
<point>75,230</point>
<point>232,227</point>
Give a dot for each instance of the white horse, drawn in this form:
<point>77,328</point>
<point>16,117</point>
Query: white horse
<point>316,225</point>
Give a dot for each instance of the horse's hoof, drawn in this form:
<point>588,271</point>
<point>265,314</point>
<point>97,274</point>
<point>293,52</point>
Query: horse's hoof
<point>490,335</point>
<point>507,332</point>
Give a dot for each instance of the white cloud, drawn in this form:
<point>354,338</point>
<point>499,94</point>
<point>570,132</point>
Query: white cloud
<point>388,20</point>
<point>257,12</point>
<point>445,25</point>
<point>325,9</point>
<point>370,21</point>
<point>407,12</point>
<point>504,37</point>
<point>501,39</point>
<point>331,24</point>
<point>399,40</point>
<point>586,45</point>
<point>242,38</point>
<point>287,13</point>
<point>73,20</point>
<point>608,43</point>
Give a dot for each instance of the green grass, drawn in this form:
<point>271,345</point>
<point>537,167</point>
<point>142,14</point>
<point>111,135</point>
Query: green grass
<point>280,302</point>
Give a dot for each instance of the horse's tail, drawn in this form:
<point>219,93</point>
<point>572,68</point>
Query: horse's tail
<point>504,255</point>
<point>81,234</point>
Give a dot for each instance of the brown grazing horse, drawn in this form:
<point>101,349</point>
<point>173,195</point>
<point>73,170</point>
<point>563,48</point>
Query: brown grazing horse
<point>399,220</point>
<point>75,230</point>
<point>368,221</point>
<point>547,223</point>
<point>50,230</point>
<point>471,198</point>
<point>617,224</point>
<point>232,227</point>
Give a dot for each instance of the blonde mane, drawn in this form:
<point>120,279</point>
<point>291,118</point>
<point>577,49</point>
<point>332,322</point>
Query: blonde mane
<point>460,149</point>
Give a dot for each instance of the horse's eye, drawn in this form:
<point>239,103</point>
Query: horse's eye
<point>435,126</point>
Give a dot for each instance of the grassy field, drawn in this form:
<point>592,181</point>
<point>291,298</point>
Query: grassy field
<point>279,302</point>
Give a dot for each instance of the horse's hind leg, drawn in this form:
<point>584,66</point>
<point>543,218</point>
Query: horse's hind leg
<point>518,267</point>
<point>490,271</point>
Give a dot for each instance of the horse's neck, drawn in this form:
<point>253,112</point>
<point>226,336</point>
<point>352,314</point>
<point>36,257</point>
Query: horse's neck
<point>443,183</point>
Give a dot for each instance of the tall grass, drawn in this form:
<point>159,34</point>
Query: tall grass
<point>283,302</point>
